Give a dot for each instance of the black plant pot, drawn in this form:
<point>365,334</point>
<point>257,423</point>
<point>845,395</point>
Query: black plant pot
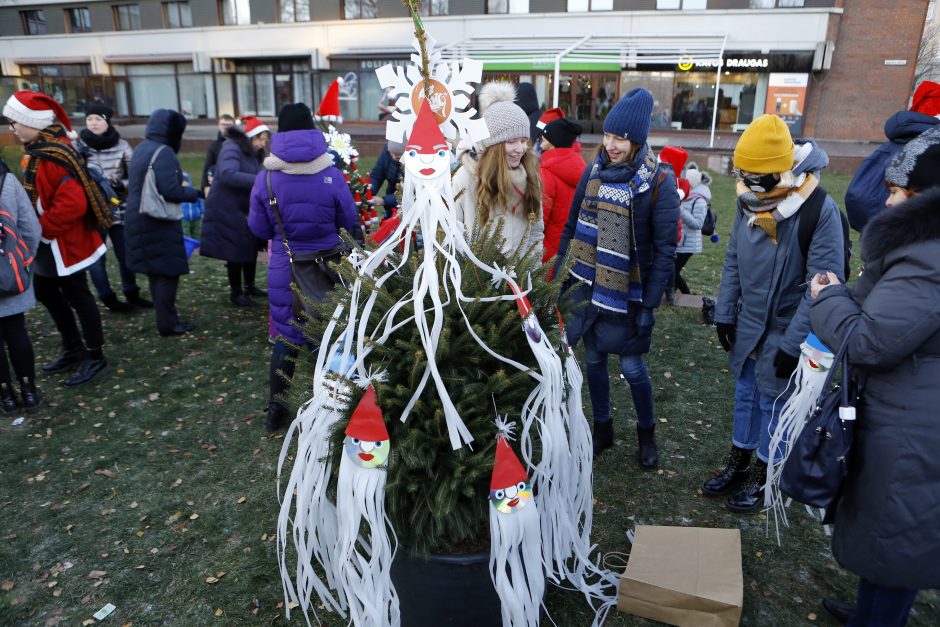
<point>453,590</point>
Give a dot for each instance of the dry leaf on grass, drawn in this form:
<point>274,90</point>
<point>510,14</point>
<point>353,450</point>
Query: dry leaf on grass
<point>6,586</point>
<point>97,574</point>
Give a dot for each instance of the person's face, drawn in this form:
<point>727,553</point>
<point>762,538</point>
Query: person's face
<point>618,149</point>
<point>896,195</point>
<point>260,141</point>
<point>545,144</point>
<point>24,133</point>
<point>515,150</point>
<point>96,124</point>
<point>395,155</point>
<point>758,182</point>
<point>224,125</point>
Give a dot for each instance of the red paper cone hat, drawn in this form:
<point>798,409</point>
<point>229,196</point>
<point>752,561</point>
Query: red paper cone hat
<point>674,156</point>
<point>253,126</point>
<point>550,116</point>
<point>329,106</point>
<point>508,470</point>
<point>426,137</point>
<point>367,422</point>
<point>36,110</point>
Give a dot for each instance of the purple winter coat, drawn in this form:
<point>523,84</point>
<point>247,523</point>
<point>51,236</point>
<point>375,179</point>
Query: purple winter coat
<point>313,207</point>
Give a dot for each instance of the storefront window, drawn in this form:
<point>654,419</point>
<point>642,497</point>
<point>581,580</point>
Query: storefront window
<point>72,85</point>
<point>152,86</point>
<point>660,85</point>
<point>740,96</point>
<point>264,87</point>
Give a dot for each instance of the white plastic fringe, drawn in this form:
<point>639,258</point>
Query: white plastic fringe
<point>516,565</point>
<point>807,384</point>
<point>363,561</point>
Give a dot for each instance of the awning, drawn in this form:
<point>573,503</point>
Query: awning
<point>149,58</point>
<point>53,61</point>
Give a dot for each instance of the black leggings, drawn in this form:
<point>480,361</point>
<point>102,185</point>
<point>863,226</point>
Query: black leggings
<point>63,295</point>
<point>681,260</point>
<point>239,271</point>
<point>13,335</point>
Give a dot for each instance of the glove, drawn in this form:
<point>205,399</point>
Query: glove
<point>726,335</point>
<point>645,319</point>
<point>785,364</point>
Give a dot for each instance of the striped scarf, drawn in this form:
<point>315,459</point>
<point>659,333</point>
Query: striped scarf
<point>604,243</point>
<point>53,144</point>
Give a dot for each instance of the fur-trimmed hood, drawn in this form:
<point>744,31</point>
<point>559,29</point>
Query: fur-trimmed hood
<point>915,220</point>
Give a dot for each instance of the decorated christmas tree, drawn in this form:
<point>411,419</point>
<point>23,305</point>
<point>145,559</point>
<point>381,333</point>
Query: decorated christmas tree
<point>446,412</point>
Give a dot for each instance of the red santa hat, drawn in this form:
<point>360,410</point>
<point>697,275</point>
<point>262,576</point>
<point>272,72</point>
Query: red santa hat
<point>927,99</point>
<point>674,156</point>
<point>507,471</point>
<point>253,126</point>
<point>550,116</point>
<point>329,106</point>
<point>426,137</point>
<point>684,187</point>
<point>36,110</point>
<point>367,422</point>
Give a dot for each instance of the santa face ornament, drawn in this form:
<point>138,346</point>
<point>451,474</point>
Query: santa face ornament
<point>511,498</point>
<point>427,154</point>
<point>366,453</point>
<point>367,441</point>
<point>815,354</point>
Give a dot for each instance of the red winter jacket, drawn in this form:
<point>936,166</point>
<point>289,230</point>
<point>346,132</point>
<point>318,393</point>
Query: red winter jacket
<point>560,171</point>
<point>61,206</point>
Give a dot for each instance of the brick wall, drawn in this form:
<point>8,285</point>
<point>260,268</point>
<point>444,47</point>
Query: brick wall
<point>853,99</point>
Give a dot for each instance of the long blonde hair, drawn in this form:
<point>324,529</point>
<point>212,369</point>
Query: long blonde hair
<point>495,188</point>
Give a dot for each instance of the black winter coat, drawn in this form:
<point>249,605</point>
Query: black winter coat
<point>387,171</point>
<point>225,232</point>
<point>156,246</point>
<point>212,156</point>
<point>888,523</point>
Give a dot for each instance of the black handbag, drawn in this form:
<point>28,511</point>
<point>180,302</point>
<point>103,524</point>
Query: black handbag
<point>818,463</point>
<point>312,274</point>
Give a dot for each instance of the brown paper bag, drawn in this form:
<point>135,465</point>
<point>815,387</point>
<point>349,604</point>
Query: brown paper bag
<point>686,576</point>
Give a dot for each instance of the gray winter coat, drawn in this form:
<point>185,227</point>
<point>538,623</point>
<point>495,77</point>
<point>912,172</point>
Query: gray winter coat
<point>692,212</point>
<point>764,288</point>
<point>15,200</point>
<point>888,523</point>
<point>114,163</point>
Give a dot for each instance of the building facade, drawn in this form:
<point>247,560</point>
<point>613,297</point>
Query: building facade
<point>832,68</point>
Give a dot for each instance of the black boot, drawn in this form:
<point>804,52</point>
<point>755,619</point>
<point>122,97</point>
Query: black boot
<point>240,299</point>
<point>839,610</point>
<point>68,357</point>
<point>116,306</point>
<point>649,455</point>
<point>277,417</point>
<point>750,498</point>
<point>32,399</point>
<point>8,404</point>
<point>135,299</point>
<point>603,437</point>
<point>732,476</point>
<point>253,290</point>
<point>91,367</point>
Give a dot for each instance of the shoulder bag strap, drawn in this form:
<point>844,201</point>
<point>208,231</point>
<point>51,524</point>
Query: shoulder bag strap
<point>153,157</point>
<point>272,202</point>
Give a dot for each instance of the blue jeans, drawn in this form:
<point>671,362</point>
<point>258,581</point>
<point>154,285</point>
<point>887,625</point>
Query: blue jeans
<point>99,269</point>
<point>755,416</point>
<point>880,606</point>
<point>598,377</point>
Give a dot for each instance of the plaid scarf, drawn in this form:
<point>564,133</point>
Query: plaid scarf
<point>604,243</point>
<point>765,209</point>
<point>50,145</point>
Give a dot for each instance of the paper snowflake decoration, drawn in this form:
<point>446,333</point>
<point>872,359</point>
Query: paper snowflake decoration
<point>451,87</point>
<point>341,144</point>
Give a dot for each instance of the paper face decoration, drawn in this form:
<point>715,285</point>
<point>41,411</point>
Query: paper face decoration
<point>816,355</point>
<point>367,442</point>
<point>427,155</point>
<point>509,487</point>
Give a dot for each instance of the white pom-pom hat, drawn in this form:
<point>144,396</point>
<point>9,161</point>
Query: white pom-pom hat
<point>504,119</point>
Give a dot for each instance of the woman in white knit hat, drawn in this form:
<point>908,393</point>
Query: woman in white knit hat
<point>498,182</point>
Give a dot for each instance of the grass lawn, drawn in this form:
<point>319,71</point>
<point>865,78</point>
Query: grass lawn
<point>153,488</point>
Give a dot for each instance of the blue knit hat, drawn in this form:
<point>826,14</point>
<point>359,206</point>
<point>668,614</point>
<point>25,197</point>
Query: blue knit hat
<point>630,117</point>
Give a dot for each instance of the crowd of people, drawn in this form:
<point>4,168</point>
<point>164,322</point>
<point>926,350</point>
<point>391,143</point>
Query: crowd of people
<point>628,221</point>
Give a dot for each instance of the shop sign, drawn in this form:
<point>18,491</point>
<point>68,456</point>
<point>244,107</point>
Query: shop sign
<point>687,63</point>
<point>786,97</point>
<point>374,64</point>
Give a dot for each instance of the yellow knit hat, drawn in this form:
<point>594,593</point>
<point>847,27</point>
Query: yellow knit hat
<point>765,147</point>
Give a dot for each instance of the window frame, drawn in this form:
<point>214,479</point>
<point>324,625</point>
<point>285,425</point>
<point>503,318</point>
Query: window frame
<point>25,21</point>
<point>220,4</point>
<point>427,6</point>
<point>360,16</point>
<point>176,4</point>
<point>70,26</point>
<point>590,7</point>
<point>280,11</point>
<point>508,11</point>
<point>116,10</point>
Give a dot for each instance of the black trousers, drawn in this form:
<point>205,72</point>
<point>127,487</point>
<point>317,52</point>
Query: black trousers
<point>66,297</point>
<point>681,260</point>
<point>163,290</point>
<point>15,341</point>
<point>238,272</point>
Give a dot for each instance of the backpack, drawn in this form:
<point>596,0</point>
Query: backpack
<point>711,218</point>
<point>809,218</point>
<point>15,260</point>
